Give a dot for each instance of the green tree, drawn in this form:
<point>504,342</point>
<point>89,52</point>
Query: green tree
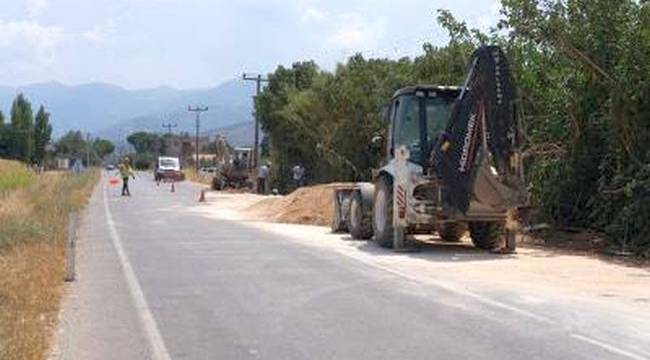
<point>146,142</point>
<point>3,135</point>
<point>21,143</point>
<point>72,144</point>
<point>103,147</point>
<point>583,67</point>
<point>269,106</point>
<point>42,134</point>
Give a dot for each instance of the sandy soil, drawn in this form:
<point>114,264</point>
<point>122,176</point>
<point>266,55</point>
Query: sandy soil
<point>539,273</point>
<point>309,205</point>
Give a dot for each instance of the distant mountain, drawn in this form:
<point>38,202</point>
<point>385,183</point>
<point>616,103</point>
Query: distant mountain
<point>112,111</point>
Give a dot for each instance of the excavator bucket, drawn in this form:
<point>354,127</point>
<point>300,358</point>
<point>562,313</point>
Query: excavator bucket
<point>482,132</point>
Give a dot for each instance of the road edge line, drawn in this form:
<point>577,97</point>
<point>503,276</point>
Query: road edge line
<point>608,347</point>
<point>147,320</point>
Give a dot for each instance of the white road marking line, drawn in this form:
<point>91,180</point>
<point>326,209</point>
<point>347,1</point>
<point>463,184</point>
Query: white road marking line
<point>608,347</point>
<point>158,348</point>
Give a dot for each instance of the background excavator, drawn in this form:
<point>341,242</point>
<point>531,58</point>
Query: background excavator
<point>234,166</point>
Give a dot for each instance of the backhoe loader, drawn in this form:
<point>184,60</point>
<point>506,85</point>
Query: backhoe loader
<point>452,164</point>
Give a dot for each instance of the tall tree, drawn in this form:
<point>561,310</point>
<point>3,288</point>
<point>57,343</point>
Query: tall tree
<point>103,148</point>
<point>72,144</point>
<point>145,142</point>
<point>42,134</point>
<point>3,135</point>
<point>21,143</point>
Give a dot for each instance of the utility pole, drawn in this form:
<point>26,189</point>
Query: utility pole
<point>258,80</point>
<point>88,145</point>
<point>198,110</point>
<point>169,127</point>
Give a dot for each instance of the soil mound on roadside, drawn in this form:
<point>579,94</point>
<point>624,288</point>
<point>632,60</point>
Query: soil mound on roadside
<point>310,205</point>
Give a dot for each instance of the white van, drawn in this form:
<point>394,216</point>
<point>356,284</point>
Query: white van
<point>169,169</point>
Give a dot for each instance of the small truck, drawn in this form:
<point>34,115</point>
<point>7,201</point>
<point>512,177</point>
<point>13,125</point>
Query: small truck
<point>452,164</point>
<point>168,169</point>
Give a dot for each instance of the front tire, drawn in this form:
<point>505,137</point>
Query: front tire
<point>486,235</point>
<point>451,232</point>
<point>382,214</point>
<point>359,223</point>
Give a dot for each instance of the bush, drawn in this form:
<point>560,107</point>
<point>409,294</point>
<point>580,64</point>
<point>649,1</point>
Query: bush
<point>14,175</point>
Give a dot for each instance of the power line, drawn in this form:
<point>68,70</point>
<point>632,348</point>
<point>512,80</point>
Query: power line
<point>198,110</point>
<point>258,80</point>
<point>169,127</point>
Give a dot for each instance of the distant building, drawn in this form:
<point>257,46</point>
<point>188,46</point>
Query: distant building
<point>208,158</point>
<point>62,163</point>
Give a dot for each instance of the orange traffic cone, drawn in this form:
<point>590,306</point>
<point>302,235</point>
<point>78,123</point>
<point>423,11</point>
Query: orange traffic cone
<point>202,196</point>
<point>173,188</point>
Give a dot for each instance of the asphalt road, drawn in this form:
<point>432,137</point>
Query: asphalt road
<point>158,281</point>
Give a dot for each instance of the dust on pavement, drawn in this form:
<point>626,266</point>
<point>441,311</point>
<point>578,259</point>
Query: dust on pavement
<point>538,273</point>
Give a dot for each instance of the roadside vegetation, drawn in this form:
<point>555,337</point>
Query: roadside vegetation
<point>583,73</point>
<point>33,228</point>
<point>14,175</point>
<point>27,137</point>
<point>192,175</point>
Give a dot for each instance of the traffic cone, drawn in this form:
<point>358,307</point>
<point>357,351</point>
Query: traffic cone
<point>173,188</point>
<point>202,196</point>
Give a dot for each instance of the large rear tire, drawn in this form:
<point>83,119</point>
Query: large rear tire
<point>486,235</point>
<point>451,232</point>
<point>382,214</point>
<point>359,221</point>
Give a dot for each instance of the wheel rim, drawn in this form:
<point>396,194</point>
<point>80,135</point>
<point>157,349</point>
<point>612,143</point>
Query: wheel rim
<point>380,211</point>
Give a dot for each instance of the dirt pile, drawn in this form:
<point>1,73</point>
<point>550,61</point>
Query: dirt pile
<point>308,205</point>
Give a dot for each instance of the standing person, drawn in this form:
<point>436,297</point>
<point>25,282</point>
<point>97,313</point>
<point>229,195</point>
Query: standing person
<point>262,178</point>
<point>298,175</point>
<point>125,172</point>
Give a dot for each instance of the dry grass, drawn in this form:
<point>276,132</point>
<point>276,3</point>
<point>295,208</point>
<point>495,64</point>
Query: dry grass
<point>33,227</point>
<point>192,175</point>
<point>30,291</point>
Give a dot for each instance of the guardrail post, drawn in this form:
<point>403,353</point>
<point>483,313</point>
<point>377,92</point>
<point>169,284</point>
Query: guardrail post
<point>70,247</point>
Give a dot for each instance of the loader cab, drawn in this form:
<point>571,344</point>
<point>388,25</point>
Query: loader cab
<point>418,116</point>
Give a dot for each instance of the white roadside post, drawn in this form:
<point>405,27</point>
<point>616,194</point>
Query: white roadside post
<point>70,247</point>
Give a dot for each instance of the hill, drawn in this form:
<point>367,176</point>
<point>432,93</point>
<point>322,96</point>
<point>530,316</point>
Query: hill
<point>112,111</point>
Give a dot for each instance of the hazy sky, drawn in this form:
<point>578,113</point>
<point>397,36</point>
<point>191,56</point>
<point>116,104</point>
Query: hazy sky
<point>199,43</point>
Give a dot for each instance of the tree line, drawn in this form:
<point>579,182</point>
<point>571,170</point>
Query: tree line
<point>149,146</point>
<point>25,137</point>
<point>583,72</point>
<point>91,151</point>
<point>28,138</point>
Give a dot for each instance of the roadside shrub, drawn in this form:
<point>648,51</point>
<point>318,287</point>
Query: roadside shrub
<point>14,175</point>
